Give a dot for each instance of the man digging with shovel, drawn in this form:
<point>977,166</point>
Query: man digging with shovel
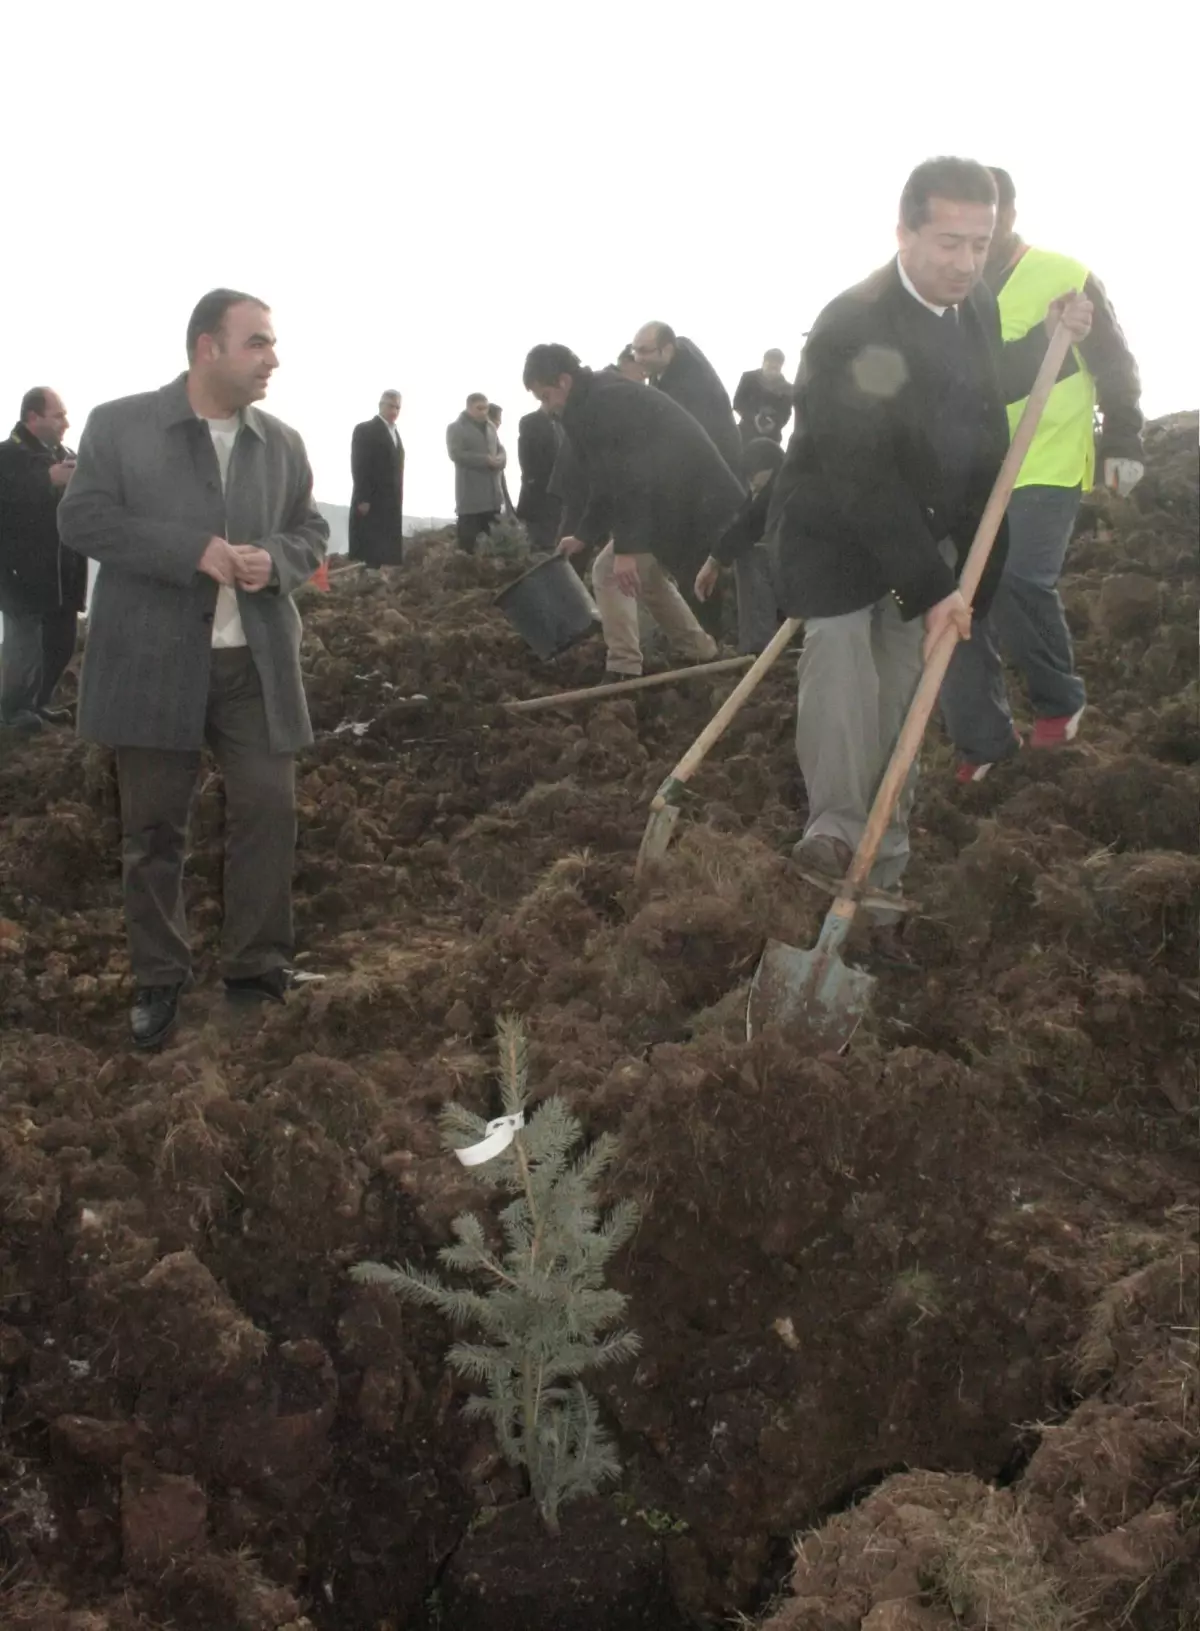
<point>659,496</point>
<point>900,433</point>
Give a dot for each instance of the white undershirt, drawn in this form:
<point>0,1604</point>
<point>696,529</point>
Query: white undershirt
<point>912,289</point>
<point>227,619</point>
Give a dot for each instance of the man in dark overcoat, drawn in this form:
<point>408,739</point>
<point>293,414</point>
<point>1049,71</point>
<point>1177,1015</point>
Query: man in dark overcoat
<point>377,499</point>
<point>43,587</point>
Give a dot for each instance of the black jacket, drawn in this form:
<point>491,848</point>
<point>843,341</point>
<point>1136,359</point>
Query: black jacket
<point>377,468</point>
<point>36,573</point>
<point>1107,354</point>
<point>539,438</point>
<point>754,397</point>
<point>862,500</point>
<point>655,483</point>
<point>692,381</point>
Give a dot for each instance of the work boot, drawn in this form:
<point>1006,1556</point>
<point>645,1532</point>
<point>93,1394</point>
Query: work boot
<point>153,1015</point>
<point>1055,733</point>
<point>823,860</point>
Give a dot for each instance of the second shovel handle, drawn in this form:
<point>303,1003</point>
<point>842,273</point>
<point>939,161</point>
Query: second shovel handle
<point>717,725</point>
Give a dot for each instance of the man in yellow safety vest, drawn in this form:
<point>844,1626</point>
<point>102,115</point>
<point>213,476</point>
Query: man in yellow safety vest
<point>1026,622</point>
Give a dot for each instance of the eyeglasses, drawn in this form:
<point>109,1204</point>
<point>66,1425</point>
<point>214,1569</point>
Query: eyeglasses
<point>646,350</point>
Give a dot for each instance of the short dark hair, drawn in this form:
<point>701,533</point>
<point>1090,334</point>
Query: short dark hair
<point>626,355</point>
<point>545,364</point>
<point>761,454</point>
<point>961,180</point>
<point>476,396</point>
<point>34,402</point>
<point>773,355</point>
<point>493,409</point>
<point>211,311</point>
<point>1006,193</point>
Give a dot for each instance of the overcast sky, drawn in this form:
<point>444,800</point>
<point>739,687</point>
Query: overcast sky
<point>422,191</point>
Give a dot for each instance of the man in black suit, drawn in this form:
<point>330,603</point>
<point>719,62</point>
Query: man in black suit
<point>43,587</point>
<point>763,400</point>
<point>659,496</point>
<point>539,441</point>
<point>900,432</point>
<point>377,502</point>
<point>679,369</point>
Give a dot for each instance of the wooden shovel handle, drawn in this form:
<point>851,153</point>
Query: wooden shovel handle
<point>715,729</point>
<point>908,744</point>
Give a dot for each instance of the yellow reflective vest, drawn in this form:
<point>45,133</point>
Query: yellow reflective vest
<point>1064,450</point>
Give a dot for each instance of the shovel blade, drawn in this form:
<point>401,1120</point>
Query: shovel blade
<point>809,990</point>
<point>660,825</point>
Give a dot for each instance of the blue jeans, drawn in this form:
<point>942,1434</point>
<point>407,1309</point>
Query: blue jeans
<point>1026,625</point>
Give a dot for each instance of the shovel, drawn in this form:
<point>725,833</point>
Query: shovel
<point>664,807</point>
<point>815,989</point>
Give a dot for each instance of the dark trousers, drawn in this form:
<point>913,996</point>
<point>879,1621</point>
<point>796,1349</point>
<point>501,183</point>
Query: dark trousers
<point>1026,624</point>
<point>470,526</point>
<point>260,836</point>
<point>37,648</point>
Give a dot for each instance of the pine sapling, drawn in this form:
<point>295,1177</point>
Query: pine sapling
<point>544,1314</point>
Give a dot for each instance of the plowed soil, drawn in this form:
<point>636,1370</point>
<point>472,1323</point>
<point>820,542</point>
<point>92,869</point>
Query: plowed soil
<point>966,1246</point>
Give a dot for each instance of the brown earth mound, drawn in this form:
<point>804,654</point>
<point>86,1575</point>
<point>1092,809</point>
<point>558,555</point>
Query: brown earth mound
<point>951,1248</point>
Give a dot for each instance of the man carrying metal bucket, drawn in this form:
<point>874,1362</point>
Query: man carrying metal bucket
<point>659,498</point>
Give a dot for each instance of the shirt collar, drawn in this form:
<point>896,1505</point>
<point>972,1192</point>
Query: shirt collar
<point>938,311</point>
<point>176,409</point>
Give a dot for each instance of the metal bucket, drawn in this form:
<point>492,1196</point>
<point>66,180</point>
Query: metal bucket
<point>549,607</point>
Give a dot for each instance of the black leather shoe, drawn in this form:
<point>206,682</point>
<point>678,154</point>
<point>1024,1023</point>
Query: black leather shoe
<point>153,1015</point>
<point>271,986</point>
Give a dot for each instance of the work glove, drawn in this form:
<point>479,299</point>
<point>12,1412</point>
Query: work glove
<point>1121,476</point>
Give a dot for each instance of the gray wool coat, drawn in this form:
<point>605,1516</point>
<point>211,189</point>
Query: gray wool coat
<point>477,489</point>
<point>144,501</point>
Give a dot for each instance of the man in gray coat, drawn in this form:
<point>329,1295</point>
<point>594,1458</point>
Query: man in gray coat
<point>474,447</point>
<point>198,507</point>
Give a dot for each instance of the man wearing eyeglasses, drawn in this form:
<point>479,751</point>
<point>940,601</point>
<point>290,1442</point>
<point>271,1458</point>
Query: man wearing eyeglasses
<point>900,433</point>
<point>680,370</point>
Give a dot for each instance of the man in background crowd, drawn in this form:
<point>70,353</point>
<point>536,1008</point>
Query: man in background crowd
<point>679,369</point>
<point>199,508</point>
<point>495,419</point>
<point>474,449</point>
<point>42,587</point>
<point>539,441</point>
<point>377,499</point>
<point>1027,624</point>
<point>763,400</point>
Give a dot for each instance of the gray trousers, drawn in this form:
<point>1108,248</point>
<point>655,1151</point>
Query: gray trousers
<point>1027,625</point>
<point>758,615</point>
<point>857,677</point>
<point>260,836</point>
<point>37,648</point>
